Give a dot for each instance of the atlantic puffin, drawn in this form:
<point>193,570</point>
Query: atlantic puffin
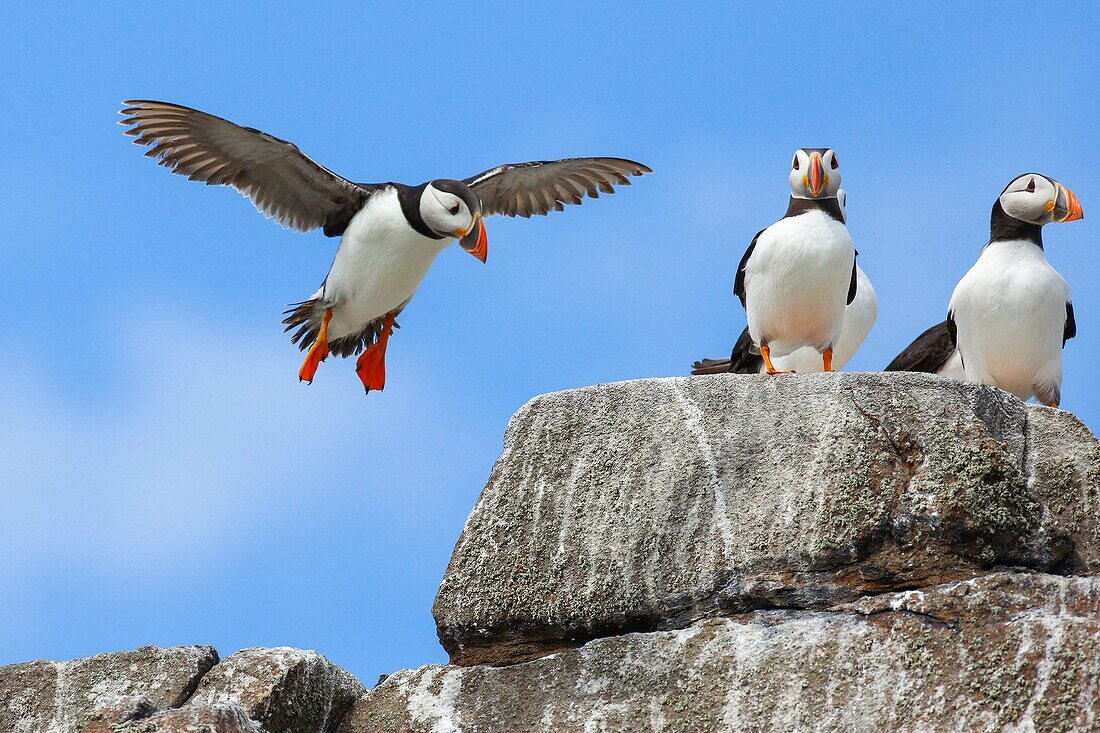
<point>859,317</point>
<point>797,275</point>
<point>1011,315</point>
<point>390,232</point>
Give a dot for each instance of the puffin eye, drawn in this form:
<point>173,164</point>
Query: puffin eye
<point>1030,186</point>
<point>453,209</point>
<point>795,163</point>
<point>835,162</point>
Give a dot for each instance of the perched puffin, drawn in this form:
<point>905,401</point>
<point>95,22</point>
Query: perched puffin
<point>797,276</point>
<point>390,232</point>
<point>859,316</point>
<point>1011,314</point>
<point>933,352</point>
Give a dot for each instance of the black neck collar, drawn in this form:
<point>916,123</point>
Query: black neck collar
<point>409,197</point>
<point>1004,228</point>
<point>800,206</point>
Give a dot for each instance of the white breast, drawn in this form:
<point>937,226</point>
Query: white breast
<point>378,266</point>
<point>796,282</point>
<point>953,367</point>
<point>859,317</point>
<point>1010,309</point>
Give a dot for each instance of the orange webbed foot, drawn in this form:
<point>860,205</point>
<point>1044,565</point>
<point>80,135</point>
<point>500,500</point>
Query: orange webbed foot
<point>768,366</point>
<point>318,352</point>
<point>371,365</point>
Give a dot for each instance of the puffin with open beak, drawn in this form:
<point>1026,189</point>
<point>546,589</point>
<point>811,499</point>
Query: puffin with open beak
<point>1011,315</point>
<point>390,232</point>
<point>859,317</point>
<point>799,274</point>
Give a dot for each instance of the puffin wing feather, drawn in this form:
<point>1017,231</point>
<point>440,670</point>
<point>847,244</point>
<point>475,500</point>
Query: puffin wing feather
<point>852,286</point>
<point>1070,329</point>
<point>928,352</point>
<point>539,187</point>
<point>739,278</point>
<point>281,181</point>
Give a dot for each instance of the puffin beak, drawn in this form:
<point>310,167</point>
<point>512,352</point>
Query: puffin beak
<point>473,240</point>
<point>818,179</point>
<point>1066,205</point>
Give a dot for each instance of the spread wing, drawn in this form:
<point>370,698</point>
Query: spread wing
<point>539,187</point>
<point>739,278</point>
<point>928,352</point>
<point>281,181</point>
<point>1070,329</point>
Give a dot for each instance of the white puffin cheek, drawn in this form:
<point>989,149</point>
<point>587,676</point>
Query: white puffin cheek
<point>1023,205</point>
<point>796,180</point>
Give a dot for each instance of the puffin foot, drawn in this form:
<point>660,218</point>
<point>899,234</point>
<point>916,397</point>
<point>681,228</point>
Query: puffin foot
<point>1053,404</point>
<point>371,365</point>
<point>827,359</point>
<point>766,353</point>
<point>318,352</point>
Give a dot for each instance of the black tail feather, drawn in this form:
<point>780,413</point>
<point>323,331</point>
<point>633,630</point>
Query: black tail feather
<point>306,318</point>
<point>710,366</point>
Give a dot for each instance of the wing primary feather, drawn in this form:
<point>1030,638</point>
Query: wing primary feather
<point>539,187</point>
<point>282,182</point>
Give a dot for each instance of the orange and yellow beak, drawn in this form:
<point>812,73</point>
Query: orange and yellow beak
<point>816,179</point>
<point>1065,206</point>
<point>473,240</point>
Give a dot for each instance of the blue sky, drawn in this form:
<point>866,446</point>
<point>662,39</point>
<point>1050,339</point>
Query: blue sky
<point>164,477</point>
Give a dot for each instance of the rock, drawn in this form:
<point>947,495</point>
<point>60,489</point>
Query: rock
<point>216,718</point>
<point>652,504</point>
<point>124,709</point>
<point>1006,651</point>
<point>66,696</point>
<point>285,690</point>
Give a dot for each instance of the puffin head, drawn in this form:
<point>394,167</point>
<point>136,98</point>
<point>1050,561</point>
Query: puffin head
<point>1036,199</point>
<point>815,173</point>
<point>452,209</point>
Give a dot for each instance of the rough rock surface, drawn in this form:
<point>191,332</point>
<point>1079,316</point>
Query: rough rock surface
<point>216,718</point>
<point>63,696</point>
<point>1004,652</point>
<point>124,709</point>
<point>285,690</point>
<point>178,690</point>
<point>649,505</point>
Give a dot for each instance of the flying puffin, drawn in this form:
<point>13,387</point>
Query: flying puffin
<point>1011,314</point>
<point>798,275</point>
<point>859,316</point>
<point>390,232</point>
